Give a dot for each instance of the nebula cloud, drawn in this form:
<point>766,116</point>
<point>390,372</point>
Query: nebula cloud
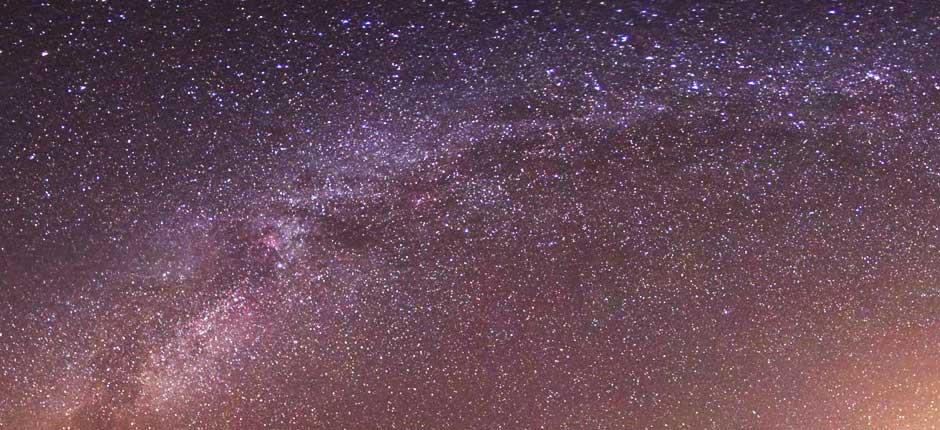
<point>470,215</point>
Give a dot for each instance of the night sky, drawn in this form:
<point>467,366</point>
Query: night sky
<point>470,215</point>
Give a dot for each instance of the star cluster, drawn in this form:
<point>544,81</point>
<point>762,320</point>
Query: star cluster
<point>470,215</point>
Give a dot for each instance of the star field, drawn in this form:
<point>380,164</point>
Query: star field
<point>470,215</point>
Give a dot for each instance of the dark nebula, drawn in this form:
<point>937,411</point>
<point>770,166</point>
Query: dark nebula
<point>470,215</point>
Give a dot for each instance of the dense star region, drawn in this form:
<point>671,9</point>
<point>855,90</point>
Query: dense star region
<point>470,215</point>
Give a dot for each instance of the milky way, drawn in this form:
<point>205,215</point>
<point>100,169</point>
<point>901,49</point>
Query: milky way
<point>470,215</point>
